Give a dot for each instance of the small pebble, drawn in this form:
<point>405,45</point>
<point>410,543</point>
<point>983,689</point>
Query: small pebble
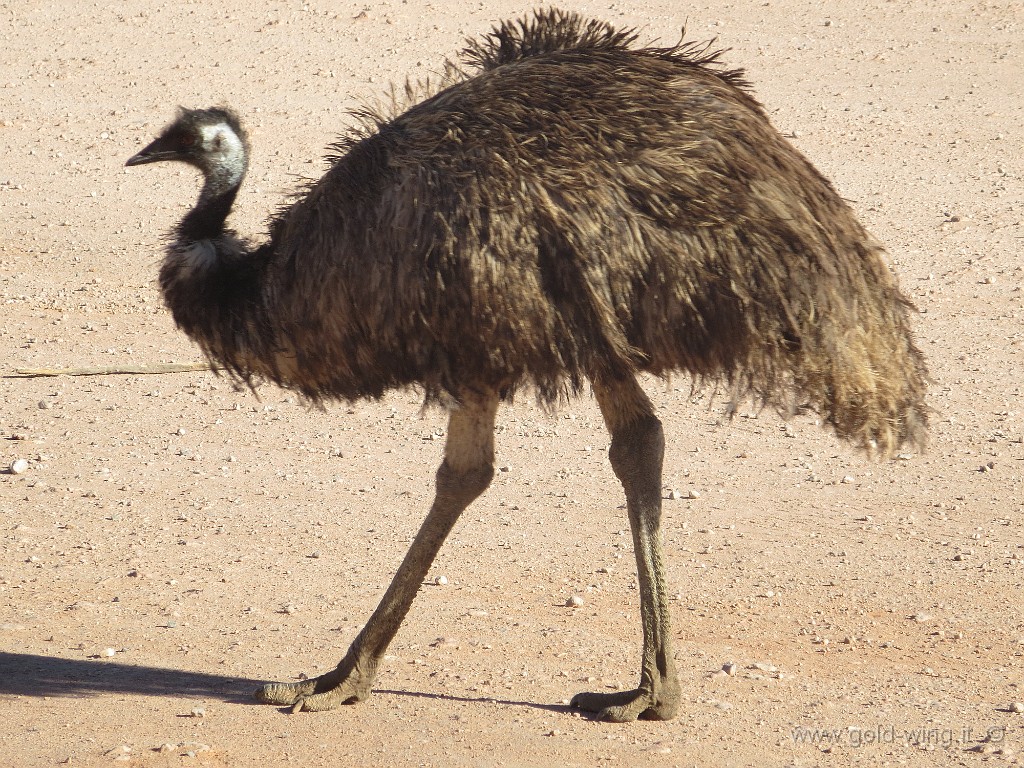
<point>730,668</point>
<point>692,494</point>
<point>19,467</point>
<point>108,652</point>
<point>574,602</point>
<point>165,748</point>
<point>847,479</point>
<point>197,712</point>
<point>1017,706</point>
<point>441,581</point>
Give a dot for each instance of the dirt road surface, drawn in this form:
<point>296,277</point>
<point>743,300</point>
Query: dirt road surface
<point>171,541</point>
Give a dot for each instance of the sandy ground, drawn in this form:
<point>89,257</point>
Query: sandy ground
<point>174,541</point>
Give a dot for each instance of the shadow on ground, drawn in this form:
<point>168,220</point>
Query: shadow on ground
<point>26,674</point>
<point>561,708</point>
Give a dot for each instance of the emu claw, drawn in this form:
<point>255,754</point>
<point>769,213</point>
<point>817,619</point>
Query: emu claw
<point>285,694</point>
<point>318,694</point>
<point>627,706</point>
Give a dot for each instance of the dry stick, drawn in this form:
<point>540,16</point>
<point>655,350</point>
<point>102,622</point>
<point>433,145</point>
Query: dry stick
<point>111,370</point>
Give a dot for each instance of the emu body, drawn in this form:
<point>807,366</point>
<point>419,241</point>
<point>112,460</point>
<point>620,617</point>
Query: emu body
<point>568,208</point>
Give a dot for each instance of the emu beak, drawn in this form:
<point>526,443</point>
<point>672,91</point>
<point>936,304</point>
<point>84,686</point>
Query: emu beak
<point>154,153</point>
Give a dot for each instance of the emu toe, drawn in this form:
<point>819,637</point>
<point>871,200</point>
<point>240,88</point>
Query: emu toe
<point>627,706</point>
<point>318,694</point>
<point>285,694</point>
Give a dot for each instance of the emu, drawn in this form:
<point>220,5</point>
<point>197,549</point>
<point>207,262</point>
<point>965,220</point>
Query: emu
<point>568,207</point>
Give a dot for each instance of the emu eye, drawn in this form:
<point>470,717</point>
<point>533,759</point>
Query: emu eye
<point>186,140</point>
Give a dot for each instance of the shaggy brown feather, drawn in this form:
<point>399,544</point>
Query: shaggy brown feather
<point>573,207</point>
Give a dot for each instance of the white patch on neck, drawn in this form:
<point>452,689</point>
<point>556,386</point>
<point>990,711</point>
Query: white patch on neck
<point>197,256</point>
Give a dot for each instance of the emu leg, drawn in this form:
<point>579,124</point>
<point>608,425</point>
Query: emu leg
<point>636,454</point>
<point>464,474</point>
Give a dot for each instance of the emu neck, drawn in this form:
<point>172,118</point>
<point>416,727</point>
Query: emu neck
<point>222,177</point>
<point>206,220</point>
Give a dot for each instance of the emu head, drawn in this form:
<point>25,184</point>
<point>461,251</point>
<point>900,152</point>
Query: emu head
<point>211,140</point>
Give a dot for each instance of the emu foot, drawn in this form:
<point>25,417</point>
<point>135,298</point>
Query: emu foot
<point>627,706</point>
<point>318,694</point>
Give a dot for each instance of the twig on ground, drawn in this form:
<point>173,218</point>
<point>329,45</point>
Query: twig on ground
<point>112,370</point>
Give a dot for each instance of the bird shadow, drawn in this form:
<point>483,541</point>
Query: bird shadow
<point>560,708</point>
<point>26,674</point>
<point>33,675</point>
